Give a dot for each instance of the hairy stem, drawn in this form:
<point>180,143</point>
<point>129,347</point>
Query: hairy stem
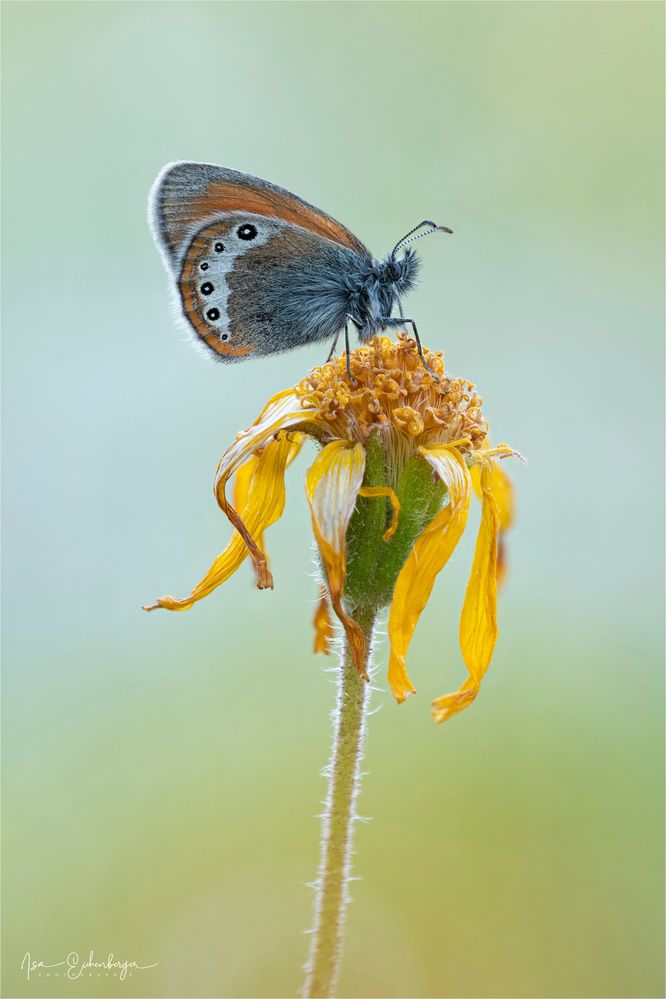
<point>337,825</point>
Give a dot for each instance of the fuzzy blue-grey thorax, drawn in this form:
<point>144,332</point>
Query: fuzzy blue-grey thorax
<point>378,290</point>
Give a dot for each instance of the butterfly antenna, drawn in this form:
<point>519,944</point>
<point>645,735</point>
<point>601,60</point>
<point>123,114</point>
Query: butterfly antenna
<point>415,233</point>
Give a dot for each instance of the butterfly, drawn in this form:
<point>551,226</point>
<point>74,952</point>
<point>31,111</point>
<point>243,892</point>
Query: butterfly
<point>259,271</point>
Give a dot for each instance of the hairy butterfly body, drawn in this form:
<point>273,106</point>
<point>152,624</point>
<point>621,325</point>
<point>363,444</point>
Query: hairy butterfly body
<point>259,271</point>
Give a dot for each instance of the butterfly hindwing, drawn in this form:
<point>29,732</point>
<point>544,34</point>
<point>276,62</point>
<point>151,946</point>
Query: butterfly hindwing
<point>251,285</point>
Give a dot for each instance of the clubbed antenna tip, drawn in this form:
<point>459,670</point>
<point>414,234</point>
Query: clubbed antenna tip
<point>416,233</point>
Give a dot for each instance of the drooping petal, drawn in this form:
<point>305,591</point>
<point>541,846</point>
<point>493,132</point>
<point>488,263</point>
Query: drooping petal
<point>502,487</point>
<point>282,411</point>
<point>323,626</point>
<point>241,488</point>
<point>244,474</point>
<point>332,486</point>
<point>503,491</point>
<point>430,554</point>
<point>478,621</point>
<point>264,503</point>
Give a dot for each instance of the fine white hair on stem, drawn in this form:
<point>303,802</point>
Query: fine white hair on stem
<point>338,820</point>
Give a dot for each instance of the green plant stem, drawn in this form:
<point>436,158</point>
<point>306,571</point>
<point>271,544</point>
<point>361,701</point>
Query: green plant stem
<point>337,824</point>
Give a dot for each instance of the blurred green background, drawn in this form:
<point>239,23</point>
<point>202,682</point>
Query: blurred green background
<point>162,773</point>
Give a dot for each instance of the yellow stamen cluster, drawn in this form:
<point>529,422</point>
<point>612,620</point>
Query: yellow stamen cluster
<point>391,388</point>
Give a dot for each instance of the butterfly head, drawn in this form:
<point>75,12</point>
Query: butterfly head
<point>401,271</point>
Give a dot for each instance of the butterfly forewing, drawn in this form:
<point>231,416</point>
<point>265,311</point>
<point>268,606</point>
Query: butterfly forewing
<point>187,193</point>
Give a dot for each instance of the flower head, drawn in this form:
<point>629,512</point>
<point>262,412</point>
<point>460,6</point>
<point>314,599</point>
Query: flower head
<point>402,448</point>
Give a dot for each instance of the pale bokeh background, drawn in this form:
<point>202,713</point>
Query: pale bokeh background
<point>161,773</point>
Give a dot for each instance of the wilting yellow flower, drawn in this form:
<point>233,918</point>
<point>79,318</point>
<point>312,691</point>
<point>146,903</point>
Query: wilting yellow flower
<point>402,447</point>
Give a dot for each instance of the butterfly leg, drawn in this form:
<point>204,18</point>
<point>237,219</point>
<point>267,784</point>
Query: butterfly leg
<point>347,350</point>
<point>403,320</point>
<point>335,343</point>
<point>420,350</point>
<point>349,370</point>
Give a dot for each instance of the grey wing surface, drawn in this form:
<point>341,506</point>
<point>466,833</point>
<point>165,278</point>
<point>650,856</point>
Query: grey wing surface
<point>253,285</point>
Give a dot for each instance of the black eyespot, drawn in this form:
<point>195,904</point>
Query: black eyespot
<point>224,337</point>
<point>206,288</point>
<point>219,247</point>
<point>246,231</point>
<point>203,266</point>
<point>213,314</point>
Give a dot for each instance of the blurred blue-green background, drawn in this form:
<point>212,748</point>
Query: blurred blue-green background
<point>162,773</point>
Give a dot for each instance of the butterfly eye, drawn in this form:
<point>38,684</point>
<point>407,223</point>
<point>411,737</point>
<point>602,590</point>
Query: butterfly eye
<point>207,288</point>
<point>219,247</point>
<point>213,314</point>
<point>247,231</point>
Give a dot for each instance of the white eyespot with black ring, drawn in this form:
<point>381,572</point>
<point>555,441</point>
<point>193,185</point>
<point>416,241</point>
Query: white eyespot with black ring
<point>247,231</point>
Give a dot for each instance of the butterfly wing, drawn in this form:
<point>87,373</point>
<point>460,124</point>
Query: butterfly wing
<point>258,271</point>
<point>185,194</point>
<point>251,285</point>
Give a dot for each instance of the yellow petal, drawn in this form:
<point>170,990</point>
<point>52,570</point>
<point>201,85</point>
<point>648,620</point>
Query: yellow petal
<point>242,480</point>
<point>323,625</point>
<point>429,555</point>
<point>503,490</point>
<point>502,487</point>
<point>332,486</point>
<point>263,505</point>
<point>504,496</point>
<point>502,562</point>
<point>478,621</point>
<point>282,411</point>
<point>244,474</point>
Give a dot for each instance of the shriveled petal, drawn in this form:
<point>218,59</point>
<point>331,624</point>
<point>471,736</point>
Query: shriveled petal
<point>478,621</point>
<point>332,486</point>
<point>263,505</point>
<point>323,626</point>
<point>502,487</point>
<point>283,410</point>
<point>503,491</point>
<point>429,555</point>
<point>244,474</point>
<point>241,488</point>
